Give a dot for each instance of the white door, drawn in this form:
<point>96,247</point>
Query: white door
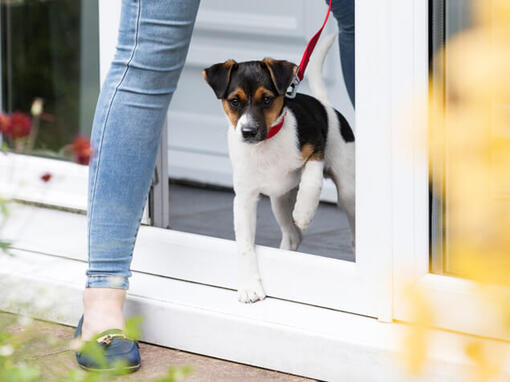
<point>198,151</point>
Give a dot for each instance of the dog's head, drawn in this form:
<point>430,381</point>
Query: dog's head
<point>252,93</point>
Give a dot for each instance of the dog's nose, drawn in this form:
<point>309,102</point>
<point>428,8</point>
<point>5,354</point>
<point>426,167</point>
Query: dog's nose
<point>249,132</point>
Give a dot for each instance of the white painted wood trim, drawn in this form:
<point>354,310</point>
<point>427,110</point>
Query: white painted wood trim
<point>274,334</point>
<point>374,200</point>
<point>109,20</point>
<point>363,287</point>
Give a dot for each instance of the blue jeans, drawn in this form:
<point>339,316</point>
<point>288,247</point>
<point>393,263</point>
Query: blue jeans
<point>344,14</point>
<point>153,42</point>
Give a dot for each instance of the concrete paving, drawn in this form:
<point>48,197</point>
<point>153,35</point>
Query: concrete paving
<point>47,347</point>
<point>208,211</point>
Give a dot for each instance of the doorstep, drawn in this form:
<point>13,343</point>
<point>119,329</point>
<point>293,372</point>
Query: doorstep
<point>280,335</point>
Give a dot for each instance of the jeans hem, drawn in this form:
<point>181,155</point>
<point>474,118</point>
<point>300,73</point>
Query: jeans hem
<point>107,281</point>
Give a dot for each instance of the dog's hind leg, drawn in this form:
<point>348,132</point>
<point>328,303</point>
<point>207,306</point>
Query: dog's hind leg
<point>309,193</point>
<point>245,219</point>
<point>282,208</point>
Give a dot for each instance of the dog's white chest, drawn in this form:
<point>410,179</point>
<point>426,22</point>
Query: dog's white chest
<point>272,167</point>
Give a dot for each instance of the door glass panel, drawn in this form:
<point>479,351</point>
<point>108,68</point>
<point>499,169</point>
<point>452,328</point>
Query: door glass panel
<point>470,194</point>
<point>200,189</point>
<point>49,76</point>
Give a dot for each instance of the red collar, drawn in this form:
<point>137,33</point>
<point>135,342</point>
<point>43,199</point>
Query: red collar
<point>276,128</point>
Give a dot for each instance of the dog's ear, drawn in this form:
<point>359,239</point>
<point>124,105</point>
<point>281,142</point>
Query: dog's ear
<point>282,73</point>
<point>218,76</point>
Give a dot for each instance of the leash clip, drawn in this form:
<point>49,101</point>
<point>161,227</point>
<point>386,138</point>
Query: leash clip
<point>291,91</point>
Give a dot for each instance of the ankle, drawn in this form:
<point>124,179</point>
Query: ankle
<point>103,310</point>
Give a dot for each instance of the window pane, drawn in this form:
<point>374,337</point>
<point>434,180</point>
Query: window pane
<point>470,195</point>
<point>200,190</point>
<point>49,51</point>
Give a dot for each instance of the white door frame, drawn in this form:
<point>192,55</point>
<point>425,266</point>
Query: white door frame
<point>392,192</point>
<point>458,304</point>
<point>364,287</point>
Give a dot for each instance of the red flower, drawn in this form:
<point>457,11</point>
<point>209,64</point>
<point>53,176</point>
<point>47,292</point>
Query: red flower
<point>4,123</point>
<point>46,177</point>
<point>81,150</point>
<point>19,126</point>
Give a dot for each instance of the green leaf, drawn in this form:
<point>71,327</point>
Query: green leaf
<point>3,207</point>
<point>96,352</point>
<point>4,148</point>
<point>133,330</point>
<point>175,374</point>
<point>5,246</point>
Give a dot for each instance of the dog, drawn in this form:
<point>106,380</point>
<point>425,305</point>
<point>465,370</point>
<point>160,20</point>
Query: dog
<point>313,141</point>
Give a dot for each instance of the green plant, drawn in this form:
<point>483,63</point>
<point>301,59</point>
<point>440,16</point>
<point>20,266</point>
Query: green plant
<point>4,213</point>
<point>17,366</point>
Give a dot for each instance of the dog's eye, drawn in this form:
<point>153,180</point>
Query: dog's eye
<point>267,100</point>
<point>234,102</point>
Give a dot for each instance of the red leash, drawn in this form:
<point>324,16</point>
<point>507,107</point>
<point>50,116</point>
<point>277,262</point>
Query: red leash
<point>306,56</point>
<point>311,46</point>
<point>301,71</point>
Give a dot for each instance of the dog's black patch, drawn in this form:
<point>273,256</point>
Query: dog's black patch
<point>345,128</point>
<point>249,76</point>
<point>274,75</point>
<point>312,121</point>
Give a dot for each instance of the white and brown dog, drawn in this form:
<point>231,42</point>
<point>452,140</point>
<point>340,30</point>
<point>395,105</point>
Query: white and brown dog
<point>281,147</point>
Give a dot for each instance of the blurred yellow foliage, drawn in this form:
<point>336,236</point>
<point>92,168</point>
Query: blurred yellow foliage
<point>469,133</point>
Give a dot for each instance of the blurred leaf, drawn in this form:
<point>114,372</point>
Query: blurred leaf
<point>132,329</point>
<point>5,246</point>
<point>175,374</point>
<point>94,351</point>
<point>3,207</point>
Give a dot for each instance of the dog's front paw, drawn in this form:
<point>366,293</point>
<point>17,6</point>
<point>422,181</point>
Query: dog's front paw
<point>251,291</point>
<point>301,218</point>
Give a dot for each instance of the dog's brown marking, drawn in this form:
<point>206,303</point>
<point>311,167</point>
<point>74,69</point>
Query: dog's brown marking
<point>269,65</point>
<point>239,93</point>
<point>285,73</point>
<point>218,76</point>
<point>232,113</point>
<point>272,112</point>
<point>308,153</point>
<point>262,92</point>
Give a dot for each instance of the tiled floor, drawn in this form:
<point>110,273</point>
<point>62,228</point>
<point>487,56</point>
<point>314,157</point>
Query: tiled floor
<point>46,346</point>
<point>208,211</point>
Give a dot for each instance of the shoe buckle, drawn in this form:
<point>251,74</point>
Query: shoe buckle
<point>108,338</point>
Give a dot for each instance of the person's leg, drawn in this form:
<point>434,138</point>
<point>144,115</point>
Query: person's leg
<point>152,46</point>
<point>344,13</point>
